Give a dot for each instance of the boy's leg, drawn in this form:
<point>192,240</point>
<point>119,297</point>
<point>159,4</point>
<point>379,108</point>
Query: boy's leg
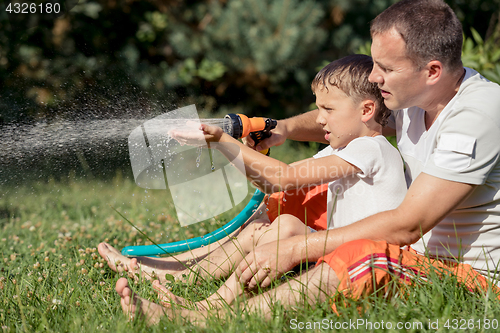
<point>313,199</point>
<point>148,267</point>
<point>283,227</point>
<point>217,262</point>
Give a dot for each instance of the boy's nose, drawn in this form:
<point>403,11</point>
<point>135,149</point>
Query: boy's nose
<point>320,119</point>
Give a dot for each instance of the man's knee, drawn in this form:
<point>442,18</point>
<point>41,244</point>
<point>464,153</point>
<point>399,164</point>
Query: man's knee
<point>358,245</point>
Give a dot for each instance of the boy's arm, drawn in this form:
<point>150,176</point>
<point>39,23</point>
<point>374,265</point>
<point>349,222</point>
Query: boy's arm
<point>273,175</point>
<point>267,173</point>
<point>427,202</point>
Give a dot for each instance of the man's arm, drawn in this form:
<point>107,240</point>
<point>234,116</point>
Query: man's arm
<point>302,127</point>
<point>427,202</point>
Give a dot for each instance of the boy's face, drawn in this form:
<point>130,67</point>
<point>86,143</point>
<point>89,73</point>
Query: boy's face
<point>339,116</point>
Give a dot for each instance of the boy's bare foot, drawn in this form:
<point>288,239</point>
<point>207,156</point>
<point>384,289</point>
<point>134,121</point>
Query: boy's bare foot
<point>134,305</point>
<point>148,269</point>
<point>116,261</point>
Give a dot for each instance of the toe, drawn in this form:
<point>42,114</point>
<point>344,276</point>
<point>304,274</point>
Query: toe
<point>121,286</point>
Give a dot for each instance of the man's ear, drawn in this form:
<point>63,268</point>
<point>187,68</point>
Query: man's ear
<point>368,109</point>
<point>434,71</point>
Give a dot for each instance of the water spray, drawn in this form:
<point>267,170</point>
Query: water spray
<point>155,158</point>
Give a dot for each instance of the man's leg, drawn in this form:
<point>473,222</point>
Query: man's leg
<point>316,285</point>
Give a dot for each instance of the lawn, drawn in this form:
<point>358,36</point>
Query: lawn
<point>52,278</point>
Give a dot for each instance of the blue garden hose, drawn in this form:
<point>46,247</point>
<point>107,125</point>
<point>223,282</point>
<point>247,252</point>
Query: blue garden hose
<point>194,243</point>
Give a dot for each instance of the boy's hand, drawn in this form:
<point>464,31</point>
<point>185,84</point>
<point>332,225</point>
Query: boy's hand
<point>196,136</point>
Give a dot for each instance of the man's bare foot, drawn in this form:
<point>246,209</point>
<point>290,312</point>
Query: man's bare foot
<point>149,268</point>
<point>134,306</point>
<point>167,298</point>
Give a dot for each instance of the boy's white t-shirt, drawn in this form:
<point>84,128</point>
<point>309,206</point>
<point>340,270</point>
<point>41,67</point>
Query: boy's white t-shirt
<point>380,185</point>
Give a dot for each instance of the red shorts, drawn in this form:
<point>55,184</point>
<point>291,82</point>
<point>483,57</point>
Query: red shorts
<point>364,266</point>
<point>307,204</point>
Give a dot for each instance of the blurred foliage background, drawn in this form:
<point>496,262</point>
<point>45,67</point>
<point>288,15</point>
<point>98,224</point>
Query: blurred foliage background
<point>118,58</point>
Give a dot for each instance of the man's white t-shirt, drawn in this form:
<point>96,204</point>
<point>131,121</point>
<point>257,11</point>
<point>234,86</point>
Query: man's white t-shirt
<point>462,145</point>
<point>379,186</point>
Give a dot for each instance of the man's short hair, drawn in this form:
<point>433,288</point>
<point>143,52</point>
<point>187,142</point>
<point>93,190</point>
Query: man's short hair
<point>350,75</point>
<point>430,29</point>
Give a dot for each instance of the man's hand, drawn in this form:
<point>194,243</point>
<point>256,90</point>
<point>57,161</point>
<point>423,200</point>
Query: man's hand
<point>266,263</point>
<point>302,127</point>
<point>278,137</point>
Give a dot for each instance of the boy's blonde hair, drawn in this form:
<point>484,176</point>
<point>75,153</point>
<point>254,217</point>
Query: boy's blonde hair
<point>350,74</point>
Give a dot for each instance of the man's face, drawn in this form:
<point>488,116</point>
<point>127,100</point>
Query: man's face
<point>402,86</point>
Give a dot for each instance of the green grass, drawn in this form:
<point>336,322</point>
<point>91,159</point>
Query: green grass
<point>52,278</point>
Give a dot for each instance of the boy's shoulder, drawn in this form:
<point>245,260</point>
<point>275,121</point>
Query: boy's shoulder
<point>364,143</point>
<point>376,141</point>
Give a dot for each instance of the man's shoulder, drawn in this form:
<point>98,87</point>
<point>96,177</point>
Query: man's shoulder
<point>480,96</point>
<point>477,88</point>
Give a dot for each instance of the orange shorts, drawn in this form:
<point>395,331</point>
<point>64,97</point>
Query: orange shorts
<point>307,204</point>
<point>364,266</point>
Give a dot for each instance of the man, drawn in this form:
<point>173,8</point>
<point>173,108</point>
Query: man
<point>447,122</point>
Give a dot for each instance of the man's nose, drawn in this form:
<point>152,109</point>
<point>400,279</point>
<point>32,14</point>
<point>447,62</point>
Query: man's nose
<point>375,76</point>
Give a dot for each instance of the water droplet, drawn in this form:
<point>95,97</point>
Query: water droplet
<point>198,158</point>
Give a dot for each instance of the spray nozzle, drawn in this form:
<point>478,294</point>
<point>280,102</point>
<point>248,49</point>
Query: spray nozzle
<point>240,126</point>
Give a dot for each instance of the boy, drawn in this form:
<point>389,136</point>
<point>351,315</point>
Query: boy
<point>363,170</point>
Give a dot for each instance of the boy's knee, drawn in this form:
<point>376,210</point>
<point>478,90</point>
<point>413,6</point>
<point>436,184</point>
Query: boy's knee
<point>255,228</point>
<point>289,226</point>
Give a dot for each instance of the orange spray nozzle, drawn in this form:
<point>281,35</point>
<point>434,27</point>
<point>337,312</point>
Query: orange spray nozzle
<point>240,126</point>
<point>251,124</point>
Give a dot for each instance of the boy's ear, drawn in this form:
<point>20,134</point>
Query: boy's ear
<point>368,109</point>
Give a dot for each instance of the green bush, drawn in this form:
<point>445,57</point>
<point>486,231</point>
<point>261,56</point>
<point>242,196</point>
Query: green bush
<point>483,55</point>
